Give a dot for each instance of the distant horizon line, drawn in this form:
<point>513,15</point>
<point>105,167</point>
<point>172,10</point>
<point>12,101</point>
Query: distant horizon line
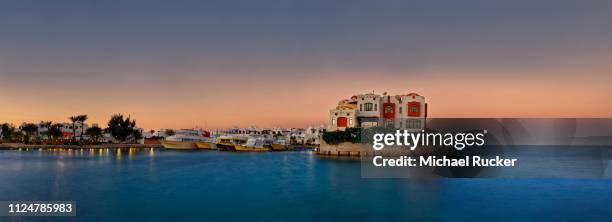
<point>17,124</point>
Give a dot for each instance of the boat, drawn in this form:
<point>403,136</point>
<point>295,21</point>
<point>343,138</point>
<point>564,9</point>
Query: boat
<point>252,145</point>
<point>279,145</point>
<point>184,139</point>
<point>207,145</point>
<point>179,145</point>
<point>225,143</point>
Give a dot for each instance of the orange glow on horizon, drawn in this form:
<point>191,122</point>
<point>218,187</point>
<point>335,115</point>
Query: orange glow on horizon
<point>270,103</point>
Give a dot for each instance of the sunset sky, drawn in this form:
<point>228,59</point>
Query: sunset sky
<point>213,64</point>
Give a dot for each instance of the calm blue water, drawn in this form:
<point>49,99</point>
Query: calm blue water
<point>278,186</point>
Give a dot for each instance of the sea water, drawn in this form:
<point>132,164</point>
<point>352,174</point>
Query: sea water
<point>161,185</point>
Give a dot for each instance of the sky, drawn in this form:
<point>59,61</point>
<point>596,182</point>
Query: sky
<point>216,64</point>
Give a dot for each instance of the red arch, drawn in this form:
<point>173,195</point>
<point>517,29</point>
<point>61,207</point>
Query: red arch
<point>341,122</point>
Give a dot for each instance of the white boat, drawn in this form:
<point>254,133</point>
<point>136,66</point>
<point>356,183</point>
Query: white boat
<point>253,144</point>
<point>185,139</point>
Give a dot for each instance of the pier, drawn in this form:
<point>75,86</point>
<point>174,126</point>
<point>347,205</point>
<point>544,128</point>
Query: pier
<point>342,149</point>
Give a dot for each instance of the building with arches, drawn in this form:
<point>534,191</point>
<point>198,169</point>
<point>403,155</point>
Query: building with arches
<point>406,111</point>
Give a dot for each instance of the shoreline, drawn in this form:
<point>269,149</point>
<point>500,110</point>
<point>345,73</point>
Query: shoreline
<point>14,146</point>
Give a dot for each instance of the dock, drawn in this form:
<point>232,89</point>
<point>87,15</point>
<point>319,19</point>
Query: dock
<point>342,149</point>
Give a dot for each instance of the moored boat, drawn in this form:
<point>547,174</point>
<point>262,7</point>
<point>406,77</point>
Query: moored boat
<point>279,145</point>
<point>184,139</point>
<point>180,145</point>
<point>224,143</point>
<point>251,148</point>
<point>252,145</point>
<point>206,145</point>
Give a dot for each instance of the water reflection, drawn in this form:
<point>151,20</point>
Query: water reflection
<point>305,186</point>
<point>118,153</point>
<point>91,152</point>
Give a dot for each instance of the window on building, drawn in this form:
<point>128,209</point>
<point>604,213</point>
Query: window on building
<point>351,121</point>
<point>400,110</point>
<point>413,109</point>
<point>333,122</point>
<point>389,123</point>
<point>413,123</point>
<point>369,124</point>
<point>375,107</point>
<point>388,109</point>
<point>360,107</point>
<point>368,107</point>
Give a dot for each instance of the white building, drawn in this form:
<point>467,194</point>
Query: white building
<point>312,135</point>
<point>407,111</point>
<point>79,129</point>
<point>66,128</point>
<point>344,115</point>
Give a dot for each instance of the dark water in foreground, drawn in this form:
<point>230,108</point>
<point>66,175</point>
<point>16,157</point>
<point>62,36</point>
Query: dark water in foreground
<point>278,186</point>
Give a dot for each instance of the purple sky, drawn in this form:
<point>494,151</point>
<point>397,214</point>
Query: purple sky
<point>286,63</point>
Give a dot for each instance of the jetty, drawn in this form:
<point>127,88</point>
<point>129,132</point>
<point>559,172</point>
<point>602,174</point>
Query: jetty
<point>342,149</point>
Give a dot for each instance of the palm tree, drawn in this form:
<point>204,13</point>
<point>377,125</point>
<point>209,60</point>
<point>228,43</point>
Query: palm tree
<point>47,125</point>
<point>6,130</point>
<point>55,131</point>
<point>82,119</point>
<point>73,119</point>
<point>94,133</point>
<point>30,129</point>
<point>123,129</point>
<point>170,132</point>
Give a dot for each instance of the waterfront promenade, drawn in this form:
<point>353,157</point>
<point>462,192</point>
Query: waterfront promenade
<point>12,146</point>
